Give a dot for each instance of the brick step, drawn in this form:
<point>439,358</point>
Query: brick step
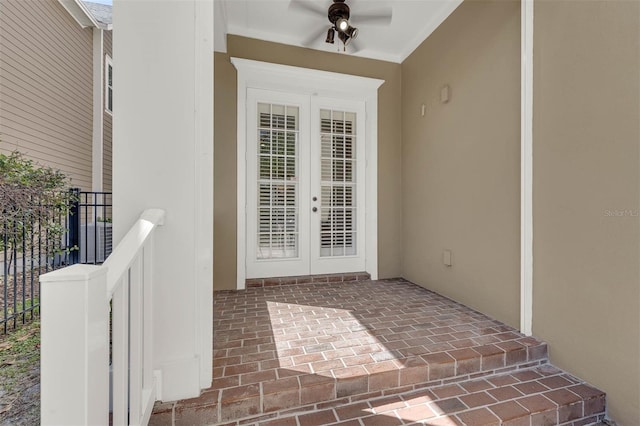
<point>244,395</point>
<point>293,347</point>
<point>537,396</point>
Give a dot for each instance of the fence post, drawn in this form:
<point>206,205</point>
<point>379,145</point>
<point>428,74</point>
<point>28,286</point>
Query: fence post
<point>74,226</point>
<point>74,363</point>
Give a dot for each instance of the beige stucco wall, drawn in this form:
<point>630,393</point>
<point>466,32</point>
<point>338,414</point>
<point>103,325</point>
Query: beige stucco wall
<point>460,171</point>
<point>586,173</point>
<point>224,174</point>
<point>46,87</point>
<point>461,161</point>
<point>389,146</point>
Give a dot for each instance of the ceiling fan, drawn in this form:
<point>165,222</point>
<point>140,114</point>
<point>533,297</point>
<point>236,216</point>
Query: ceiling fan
<point>339,15</point>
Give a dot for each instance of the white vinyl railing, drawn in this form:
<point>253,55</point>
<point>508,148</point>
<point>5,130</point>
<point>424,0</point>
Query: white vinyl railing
<point>75,338</point>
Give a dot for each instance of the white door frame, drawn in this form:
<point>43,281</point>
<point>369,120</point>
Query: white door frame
<point>526,168</point>
<point>269,76</point>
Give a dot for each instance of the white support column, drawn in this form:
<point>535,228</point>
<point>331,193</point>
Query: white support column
<point>74,375</point>
<point>526,169</point>
<point>203,176</point>
<point>98,110</point>
<point>163,141</point>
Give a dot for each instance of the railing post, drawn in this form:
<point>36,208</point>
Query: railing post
<point>74,226</point>
<point>75,346</point>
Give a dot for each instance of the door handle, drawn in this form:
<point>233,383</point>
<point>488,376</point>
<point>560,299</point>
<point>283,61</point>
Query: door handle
<point>315,199</point>
<point>315,209</point>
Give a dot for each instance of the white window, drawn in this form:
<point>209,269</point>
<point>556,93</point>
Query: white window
<point>108,85</point>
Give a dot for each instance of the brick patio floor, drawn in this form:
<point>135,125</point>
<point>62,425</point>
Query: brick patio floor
<point>375,352</point>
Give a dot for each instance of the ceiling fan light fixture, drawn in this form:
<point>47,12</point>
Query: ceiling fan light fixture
<point>344,38</point>
<point>330,36</point>
<point>342,24</point>
<point>352,32</point>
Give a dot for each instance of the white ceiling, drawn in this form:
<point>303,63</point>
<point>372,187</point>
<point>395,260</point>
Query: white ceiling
<point>273,20</point>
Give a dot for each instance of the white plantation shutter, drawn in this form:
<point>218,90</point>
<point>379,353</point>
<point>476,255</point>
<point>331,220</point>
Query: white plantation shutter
<point>278,199</point>
<point>338,183</point>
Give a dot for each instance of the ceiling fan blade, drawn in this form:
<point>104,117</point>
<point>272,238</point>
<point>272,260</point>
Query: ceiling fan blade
<point>313,39</point>
<point>307,6</point>
<point>382,17</point>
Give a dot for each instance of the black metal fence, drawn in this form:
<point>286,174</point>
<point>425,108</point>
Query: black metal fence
<point>90,227</point>
<point>82,236</point>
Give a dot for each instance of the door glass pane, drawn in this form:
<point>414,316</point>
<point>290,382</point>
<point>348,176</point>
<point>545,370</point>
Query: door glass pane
<point>337,181</point>
<point>278,168</point>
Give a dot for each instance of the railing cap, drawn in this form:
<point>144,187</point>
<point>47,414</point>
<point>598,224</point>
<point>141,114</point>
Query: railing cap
<point>76,272</point>
<point>155,216</point>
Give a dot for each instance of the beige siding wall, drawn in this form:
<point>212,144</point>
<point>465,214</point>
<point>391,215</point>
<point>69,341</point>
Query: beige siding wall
<point>586,194</point>
<point>389,146</point>
<point>46,87</point>
<point>108,121</point>
<point>461,161</point>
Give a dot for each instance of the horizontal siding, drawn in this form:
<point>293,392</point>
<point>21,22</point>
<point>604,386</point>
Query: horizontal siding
<point>49,65</point>
<point>46,89</point>
<point>43,135</point>
<point>107,168</point>
<point>52,29</point>
<point>43,112</point>
<point>47,149</point>
<point>21,76</point>
<point>108,43</point>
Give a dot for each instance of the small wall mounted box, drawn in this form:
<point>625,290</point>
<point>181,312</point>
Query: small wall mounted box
<point>444,94</point>
<point>446,257</point>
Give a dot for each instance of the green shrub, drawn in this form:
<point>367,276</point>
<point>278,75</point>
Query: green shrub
<point>32,198</point>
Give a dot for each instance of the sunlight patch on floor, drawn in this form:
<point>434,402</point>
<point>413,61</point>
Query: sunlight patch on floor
<point>326,341</point>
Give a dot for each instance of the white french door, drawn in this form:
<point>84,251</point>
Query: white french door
<point>277,185</point>
<point>337,186</point>
<point>305,185</point>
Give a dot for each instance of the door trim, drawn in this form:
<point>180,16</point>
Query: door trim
<point>269,76</point>
<point>526,168</point>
